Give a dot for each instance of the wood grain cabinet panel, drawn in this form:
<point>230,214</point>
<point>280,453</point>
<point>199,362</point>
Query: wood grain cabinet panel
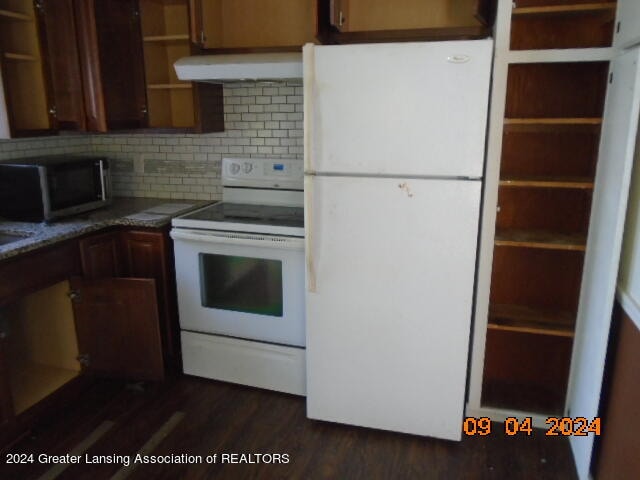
<point>352,21</point>
<point>117,327</point>
<point>253,24</point>
<point>100,256</point>
<point>148,254</point>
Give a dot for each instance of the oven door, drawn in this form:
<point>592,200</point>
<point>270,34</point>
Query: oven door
<point>241,285</point>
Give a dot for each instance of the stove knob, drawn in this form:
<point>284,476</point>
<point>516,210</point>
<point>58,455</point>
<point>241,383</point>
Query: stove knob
<point>248,167</point>
<point>235,168</point>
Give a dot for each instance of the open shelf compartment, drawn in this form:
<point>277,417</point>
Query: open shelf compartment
<point>557,24</point>
<point>41,345</point>
<point>165,30</point>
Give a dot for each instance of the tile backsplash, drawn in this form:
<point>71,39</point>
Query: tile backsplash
<point>261,119</point>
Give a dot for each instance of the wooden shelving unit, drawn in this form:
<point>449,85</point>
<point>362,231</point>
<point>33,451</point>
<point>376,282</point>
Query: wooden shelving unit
<point>548,115</point>
<point>165,30</point>
<point>22,70</point>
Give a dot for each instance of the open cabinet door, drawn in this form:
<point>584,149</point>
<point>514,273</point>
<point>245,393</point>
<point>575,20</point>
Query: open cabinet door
<point>610,196</point>
<point>117,327</point>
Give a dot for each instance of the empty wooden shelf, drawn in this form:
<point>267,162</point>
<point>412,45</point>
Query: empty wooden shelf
<point>580,183</point>
<point>519,318</point>
<point>540,239</point>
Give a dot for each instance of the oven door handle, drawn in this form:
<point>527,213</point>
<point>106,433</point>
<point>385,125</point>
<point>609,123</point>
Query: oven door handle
<point>230,238</point>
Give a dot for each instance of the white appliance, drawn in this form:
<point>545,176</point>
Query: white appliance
<point>394,158</point>
<point>240,278</point>
<point>246,66</point>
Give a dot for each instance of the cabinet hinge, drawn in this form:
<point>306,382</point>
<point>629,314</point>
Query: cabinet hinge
<point>203,38</point>
<point>84,359</point>
<point>53,111</point>
<point>74,295</point>
<point>39,6</point>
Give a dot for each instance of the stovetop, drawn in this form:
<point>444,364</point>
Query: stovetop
<point>239,217</point>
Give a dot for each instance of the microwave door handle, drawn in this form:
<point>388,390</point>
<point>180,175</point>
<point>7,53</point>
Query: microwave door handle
<point>46,193</point>
<point>102,182</point>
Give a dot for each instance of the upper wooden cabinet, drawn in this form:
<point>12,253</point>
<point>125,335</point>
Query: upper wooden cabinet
<point>345,21</point>
<point>253,24</point>
<point>92,65</point>
<point>24,101</point>
<point>172,103</point>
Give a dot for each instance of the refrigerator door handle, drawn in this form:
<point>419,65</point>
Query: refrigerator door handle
<point>309,238</point>
<point>308,56</point>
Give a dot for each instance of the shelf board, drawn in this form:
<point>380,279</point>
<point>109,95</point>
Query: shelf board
<point>166,38</point>
<point>548,182</point>
<point>540,239</point>
<point>168,86</point>
<point>553,121</point>
<point>517,318</point>
<point>21,57</point>
<point>15,15</point>
<point>566,9</point>
<point>552,124</point>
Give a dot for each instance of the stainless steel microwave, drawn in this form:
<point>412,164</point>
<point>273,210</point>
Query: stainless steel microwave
<point>46,188</point>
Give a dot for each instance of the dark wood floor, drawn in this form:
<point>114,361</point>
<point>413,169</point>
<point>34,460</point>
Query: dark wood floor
<point>224,418</point>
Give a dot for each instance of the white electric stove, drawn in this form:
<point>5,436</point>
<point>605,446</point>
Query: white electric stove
<point>240,278</point>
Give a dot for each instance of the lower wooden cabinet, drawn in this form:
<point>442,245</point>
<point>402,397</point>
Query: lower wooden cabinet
<point>101,305</point>
<point>138,254</point>
<point>117,327</point>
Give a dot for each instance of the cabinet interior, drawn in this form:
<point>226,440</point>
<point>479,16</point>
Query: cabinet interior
<point>537,382</point>
<point>165,33</point>
<point>546,24</point>
<point>551,134</point>
<point>376,15</point>
<point>255,23</point>
<point>22,69</point>
<point>42,347</point>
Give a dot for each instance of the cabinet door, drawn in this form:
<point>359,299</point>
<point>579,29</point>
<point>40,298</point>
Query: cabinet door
<point>60,44</point>
<point>121,63</point>
<point>148,255</point>
<point>604,243</point>
<point>253,23</point>
<point>117,327</point>
<point>6,404</point>
<point>628,23</point>
<point>100,256</point>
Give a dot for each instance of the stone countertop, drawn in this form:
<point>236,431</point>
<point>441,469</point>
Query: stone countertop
<point>37,235</point>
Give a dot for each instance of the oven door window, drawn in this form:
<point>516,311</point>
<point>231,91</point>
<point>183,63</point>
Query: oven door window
<point>241,284</point>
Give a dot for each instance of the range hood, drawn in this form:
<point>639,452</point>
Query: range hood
<point>227,68</point>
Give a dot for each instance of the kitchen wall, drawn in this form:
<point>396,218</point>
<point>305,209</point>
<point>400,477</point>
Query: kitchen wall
<point>261,119</point>
<point>30,147</point>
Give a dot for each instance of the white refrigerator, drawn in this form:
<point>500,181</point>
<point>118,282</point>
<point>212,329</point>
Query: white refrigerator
<point>394,141</point>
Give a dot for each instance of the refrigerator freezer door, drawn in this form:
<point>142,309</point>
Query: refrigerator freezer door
<point>415,109</point>
<point>389,293</point>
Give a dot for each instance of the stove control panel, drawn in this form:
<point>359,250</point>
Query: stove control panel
<point>285,174</point>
